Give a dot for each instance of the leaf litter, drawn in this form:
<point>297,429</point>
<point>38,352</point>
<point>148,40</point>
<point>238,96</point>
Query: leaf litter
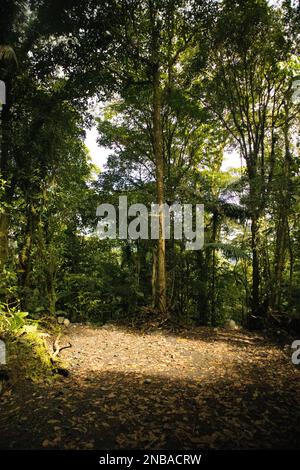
<point>159,390</point>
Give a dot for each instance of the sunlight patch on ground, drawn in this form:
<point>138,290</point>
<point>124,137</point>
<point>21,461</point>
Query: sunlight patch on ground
<point>158,355</point>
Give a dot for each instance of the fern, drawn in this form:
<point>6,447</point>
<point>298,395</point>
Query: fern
<point>230,251</point>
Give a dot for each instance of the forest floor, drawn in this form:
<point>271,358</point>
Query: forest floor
<point>126,389</point>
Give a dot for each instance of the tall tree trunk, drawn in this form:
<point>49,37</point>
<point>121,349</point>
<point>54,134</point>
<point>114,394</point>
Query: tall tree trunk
<point>25,253</point>
<point>283,222</point>
<point>255,193</point>
<point>154,274</point>
<point>160,293</point>
<point>4,226</point>
<point>279,261</point>
<point>4,174</point>
<point>255,307</point>
<point>160,300</point>
<point>213,292</point>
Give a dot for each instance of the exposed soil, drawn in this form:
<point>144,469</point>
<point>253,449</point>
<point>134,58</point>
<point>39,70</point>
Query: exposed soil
<point>126,389</point>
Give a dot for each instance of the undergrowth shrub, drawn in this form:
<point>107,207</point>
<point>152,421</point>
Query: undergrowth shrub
<point>27,353</point>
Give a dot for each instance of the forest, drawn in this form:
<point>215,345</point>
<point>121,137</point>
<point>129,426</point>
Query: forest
<point>139,342</point>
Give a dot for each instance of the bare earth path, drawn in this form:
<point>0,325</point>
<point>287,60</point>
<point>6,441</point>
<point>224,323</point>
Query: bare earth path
<point>210,389</point>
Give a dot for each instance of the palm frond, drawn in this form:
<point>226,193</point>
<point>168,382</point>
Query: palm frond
<point>233,211</point>
<point>230,251</point>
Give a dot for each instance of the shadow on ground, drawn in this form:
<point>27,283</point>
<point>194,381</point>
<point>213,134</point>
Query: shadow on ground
<point>248,408</point>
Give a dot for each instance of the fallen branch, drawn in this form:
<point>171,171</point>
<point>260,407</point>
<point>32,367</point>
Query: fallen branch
<point>57,349</point>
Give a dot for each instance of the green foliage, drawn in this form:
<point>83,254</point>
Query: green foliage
<point>229,250</point>
<point>27,353</point>
<point>225,84</point>
<point>98,288</point>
